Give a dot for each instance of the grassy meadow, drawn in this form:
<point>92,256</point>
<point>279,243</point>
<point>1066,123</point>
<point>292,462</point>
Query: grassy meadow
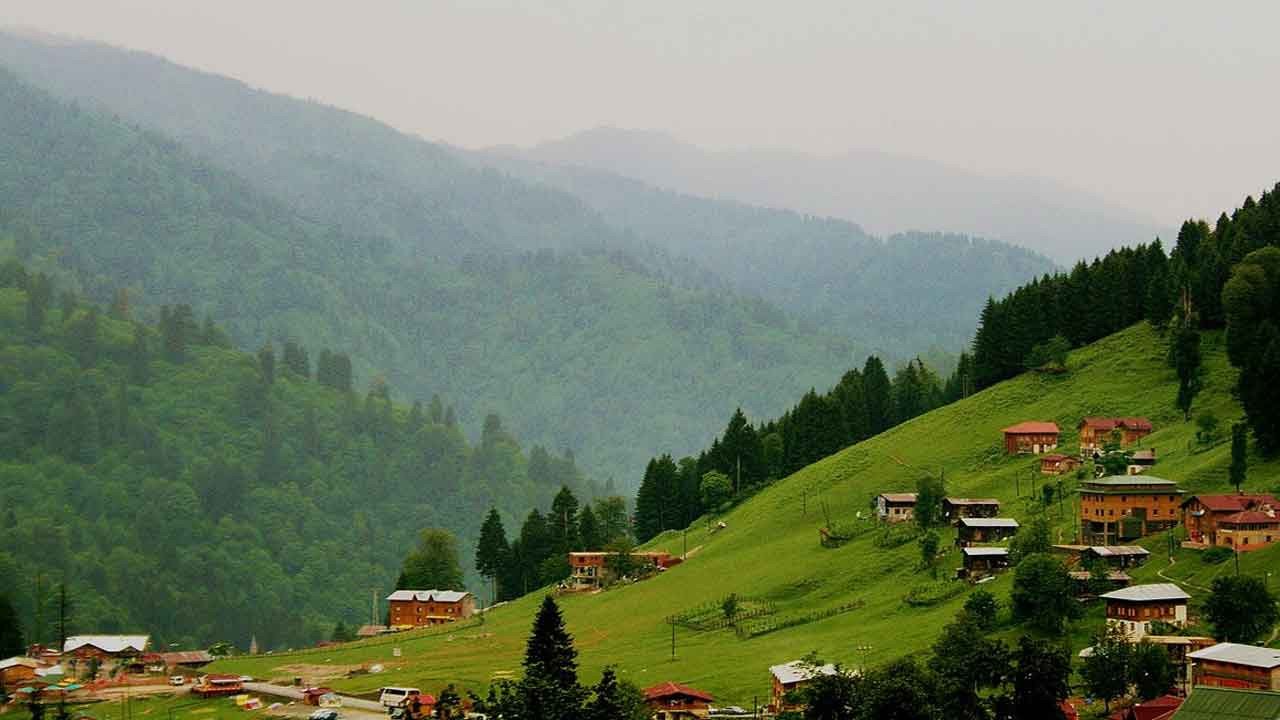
<point>770,550</point>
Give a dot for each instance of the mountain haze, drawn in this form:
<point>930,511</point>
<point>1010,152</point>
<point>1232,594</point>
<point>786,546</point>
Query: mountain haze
<point>884,193</point>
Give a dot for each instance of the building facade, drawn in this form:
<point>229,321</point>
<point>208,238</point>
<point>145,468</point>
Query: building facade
<point>417,608</point>
<point>1201,514</point>
<point>673,701</point>
<point>985,530</point>
<point>1134,608</point>
<point>1096,432</point>
<point>592,569</point>
<point>1058,464</point>
<point>788,680</point>
<point>1236,666</point>
<point>1126,507</point>
<point>896,507</point>
<point>1032,437</point>
<point>956,508</point>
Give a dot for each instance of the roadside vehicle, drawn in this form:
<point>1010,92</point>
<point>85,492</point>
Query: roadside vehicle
<point>397,697</point>
<point>177,680</point>
<point>324,714</point>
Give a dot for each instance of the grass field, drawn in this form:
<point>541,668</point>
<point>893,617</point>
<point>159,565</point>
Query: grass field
<point>770,548</point>
<point>165,706</point>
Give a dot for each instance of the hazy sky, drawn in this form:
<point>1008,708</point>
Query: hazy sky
<point>1166,107</point>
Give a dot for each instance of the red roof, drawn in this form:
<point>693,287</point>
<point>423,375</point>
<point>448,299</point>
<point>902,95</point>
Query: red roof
<point>1248,516</point>
<point>1032,427</point>
<point>667,689</point>
<point>1108,424</point>
<point>1161,707</point>
<point>1233,503</point>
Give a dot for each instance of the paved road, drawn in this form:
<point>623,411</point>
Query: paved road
<point>351,707</point>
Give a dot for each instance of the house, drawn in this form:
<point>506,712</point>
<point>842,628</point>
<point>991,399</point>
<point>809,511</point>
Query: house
<point>218,686</point>
<point>1218,703</point>
<point>955,508</point>
<point>368,631</point>
<point>111,652</point>
<point>1119,556</point>
<point>1236,666</point>
<point>1058,464</point>
<point>1141,460</point>
<point>416,608</point>
<point>1096,432</point>
<point>896,507</point>
<point>985,530</point>
<point>1030,437</point>
<point>1201,514</point>
<point>186,660</point>
<point>1083,583</point>
<point>982,561</point>
<point>17,670</point>
<point>1179,648</point>
<point>1125,507</point>
<point>673,701</point>
<point>591,569</point>
<point>791,677</point>
<point>1161,708</point>
<point>1249,529</point>
<point>1134,608</point>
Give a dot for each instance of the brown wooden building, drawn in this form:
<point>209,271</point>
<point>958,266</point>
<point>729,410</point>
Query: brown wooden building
<point>896,507</point>
<point>16,671</point>
<point>1096,432</point>
<point>1126,507</point>
<point>673,701</point>
<point>415,608</point>
<point>985,530</point>
<point>1058,464</point>
<point>790,678</point>
<point>1249,530</point>
<point>1237,666</point>
<point>977,562</point>
<point>956,508</point>
<point>591,569</point>
<point>1201,514</point>
<point>1083,583</point>
<point>1134,608</point>
<point>1031,437</point>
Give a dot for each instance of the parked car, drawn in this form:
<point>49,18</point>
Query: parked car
<point>393,697</point>
<point>324,714</point>
<point>177,680</point>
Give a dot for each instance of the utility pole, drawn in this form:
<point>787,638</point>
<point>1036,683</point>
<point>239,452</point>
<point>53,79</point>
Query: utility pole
<point>673,639</point>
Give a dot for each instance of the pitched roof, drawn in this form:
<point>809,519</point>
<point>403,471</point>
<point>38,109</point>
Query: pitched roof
<point>1056,457</point>
<point>1248,516</point>
<point>186,657</point>
<point>1238,654</point>
<point>1156,709</point>
<point>1118,550</point>
<point>1113,575</point>
<point>1233,503</point>
<point>448,596</point>
<point>16,661</point>
<point>1032,427</point>
<point>1152,592</point>
<point>1130,480</point>
<point>797,671</point>
<point>370,630</point>
<point>985,551</point>
<point>667,689</point>
<point>1105,423</point>
<point>970,501</point>
<point>108,643</point>
<point>989,522</point>
<point>1215,703</point>
<point>899,497</point>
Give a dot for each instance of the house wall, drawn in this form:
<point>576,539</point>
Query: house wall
<point>1249,537</point>
<point>1134,619</point>
<point>1022,443</point>
<point>14,676</point>
<point>413,612</point>
<point>1221,674</point>
<point>1157,511</point>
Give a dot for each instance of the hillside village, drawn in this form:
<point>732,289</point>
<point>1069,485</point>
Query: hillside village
<point>1121,540</point>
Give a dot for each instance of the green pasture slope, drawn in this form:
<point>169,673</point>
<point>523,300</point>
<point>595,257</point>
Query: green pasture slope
<point>770,548</point>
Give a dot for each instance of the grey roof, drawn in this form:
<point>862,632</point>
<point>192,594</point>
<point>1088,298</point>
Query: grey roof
<point>449,596</point>
<point>971,501</point>
<point>1118,550</point>
<point>108,643</point>
<point>1131,480</point>
<point>899,497</point>
<point>16,661</point>
<point>989,522</point>
<point>1152,592</point>
<point>985,551</point>
<point>797,671</point>
<point>1251,655</point>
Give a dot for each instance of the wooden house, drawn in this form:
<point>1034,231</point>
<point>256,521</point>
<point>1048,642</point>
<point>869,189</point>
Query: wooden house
<point>185,660</point>
<point>896,507</point>
<point>985,530</point>
<point>1134,608</point>
<point>1249,529</point>
<point>416,608</point>
<point>788,679</point>
<point>1058,464</point>
<point>1084,585</point>
<point>16,671</point>
<point>1202,513</point>
<point>1237,666</point>
<point>1126,507</point>
<point>979,562</point>
<point>111,652</point>
<point>1117,556</point>
<point>956,508</point>
<point>591,569</point>
<point>1179,648</point>
<point>1161,708</point>
<point>1031,437</point>
<point>1096,432</point>
<point>673,701</point>
<point>218,685</point>
<point>1141,460</point>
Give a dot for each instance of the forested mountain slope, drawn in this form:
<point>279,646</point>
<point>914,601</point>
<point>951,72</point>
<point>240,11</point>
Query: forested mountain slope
<point>883,192</point>
<point>916,291</point>
<point>585,349</point>
<point>769,550</point>
<point>192,491</point>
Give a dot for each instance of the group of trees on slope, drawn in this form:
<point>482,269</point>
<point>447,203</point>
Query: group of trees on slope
<point>179,487</point>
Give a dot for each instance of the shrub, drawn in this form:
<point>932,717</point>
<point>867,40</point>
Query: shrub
<point>1216,555</point>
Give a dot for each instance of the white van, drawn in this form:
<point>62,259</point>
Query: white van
<point>394,697</point>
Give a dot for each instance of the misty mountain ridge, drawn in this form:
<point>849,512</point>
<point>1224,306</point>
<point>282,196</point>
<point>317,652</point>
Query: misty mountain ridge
<point>883,192</point>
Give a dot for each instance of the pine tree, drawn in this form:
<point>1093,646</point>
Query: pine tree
<point>296,360</point>
<point>589,534</point>
<point>1185,352</point>
<point>549,689</point>
<point>615,700</point>
<point>492,550</point>
<point>437,410</point>
<point>433,564</point>
<point>450,417</point>
<point>11,641</point>
<point>879,394</point>
<point>84,338</point>
<point>267,364</point>
<point>415,420</point>
<point>1239,454</point>
<point>39,295</point>
<point>563,521</point>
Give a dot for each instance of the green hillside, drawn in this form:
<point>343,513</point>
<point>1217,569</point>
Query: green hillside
<point>770,547</point>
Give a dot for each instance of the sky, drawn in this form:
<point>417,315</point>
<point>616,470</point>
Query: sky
<point>1167,108</point>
